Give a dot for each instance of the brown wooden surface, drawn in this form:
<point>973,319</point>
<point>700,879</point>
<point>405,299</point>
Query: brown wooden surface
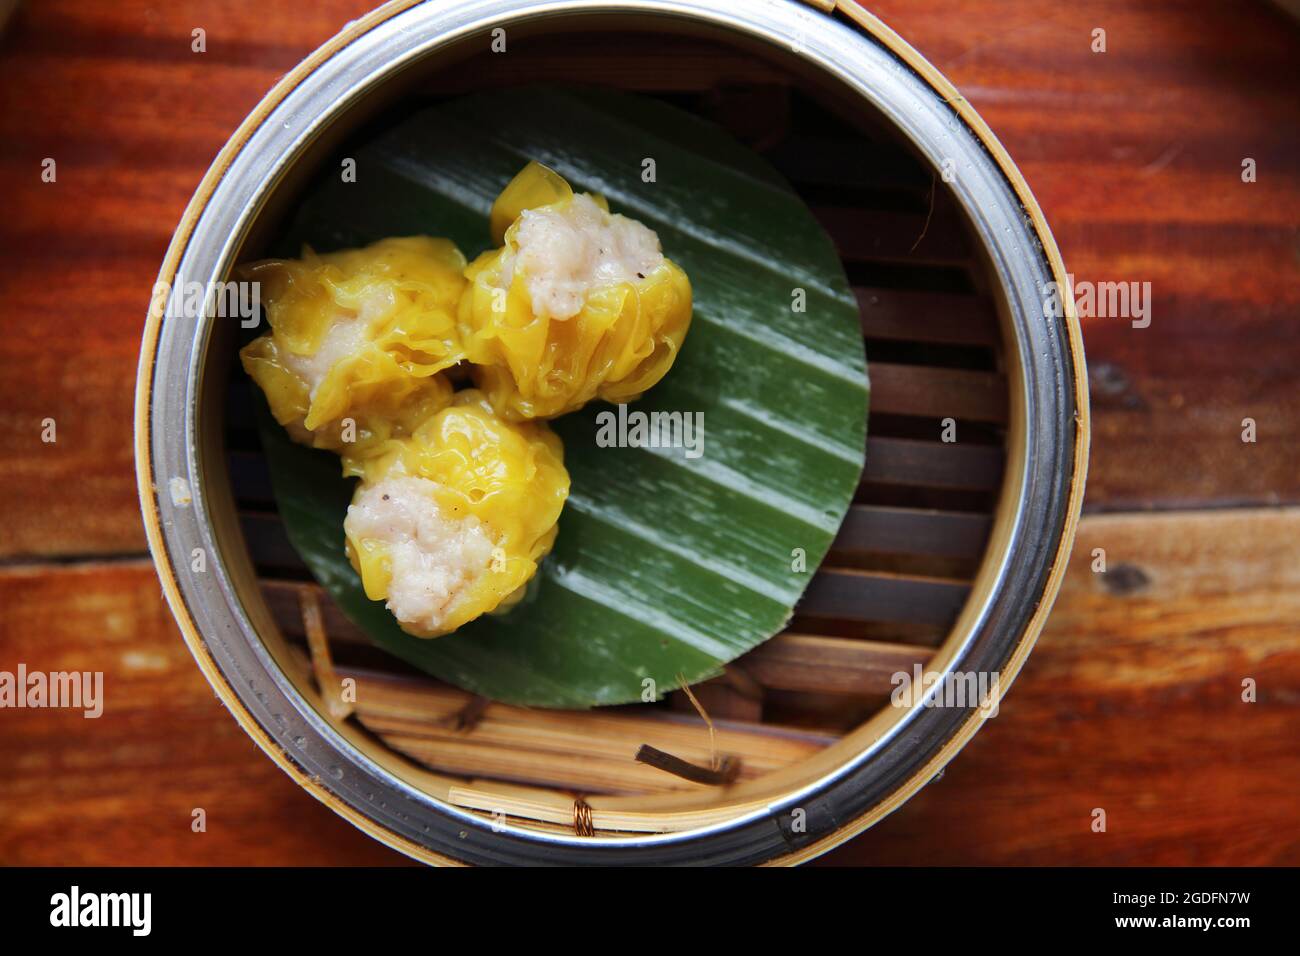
<point>1131,702</point>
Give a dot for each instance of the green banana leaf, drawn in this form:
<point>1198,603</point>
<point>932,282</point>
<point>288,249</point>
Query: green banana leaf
<point>666,566</point>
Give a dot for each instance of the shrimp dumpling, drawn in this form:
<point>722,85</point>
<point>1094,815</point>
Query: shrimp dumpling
<point>450,522</point>
<point>357,340</point>
<point>579,303</point>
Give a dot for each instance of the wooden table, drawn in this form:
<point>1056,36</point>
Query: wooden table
<point>1132,701</point>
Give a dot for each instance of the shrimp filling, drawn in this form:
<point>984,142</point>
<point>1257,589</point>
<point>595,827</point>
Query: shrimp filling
<point>434,557</point>
<point>568,249</point>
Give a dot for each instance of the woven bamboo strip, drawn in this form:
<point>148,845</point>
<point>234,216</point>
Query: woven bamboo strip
<point>591,752</point>
<point>831,665</point>
<point>609,815</point>
<point>322,662</point>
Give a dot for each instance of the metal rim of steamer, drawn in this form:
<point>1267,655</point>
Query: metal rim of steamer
<point>873,64</point>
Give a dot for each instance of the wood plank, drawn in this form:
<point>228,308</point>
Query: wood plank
<point>1132,702</point>
<point>99,90</point>
<point>1136,157</point>
<point>828,665</point>
<point>885,235</point>
<point>932,464</point>
<point>873,529</point>
<point>122,788</point>
<point>938,393</point>
<point>846,595</point>
<point>942,318</point>
<point>92,86</point>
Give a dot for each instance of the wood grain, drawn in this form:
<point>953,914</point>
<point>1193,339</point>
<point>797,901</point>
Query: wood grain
<point>123,788</point>
<point>1135,155</point>
<point>1131,702</point>
<point>132,117</point>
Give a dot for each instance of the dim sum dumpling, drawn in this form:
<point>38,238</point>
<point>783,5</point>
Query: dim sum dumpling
<point>579,303</point>
<point>451,521</point>
<point>357,340</point>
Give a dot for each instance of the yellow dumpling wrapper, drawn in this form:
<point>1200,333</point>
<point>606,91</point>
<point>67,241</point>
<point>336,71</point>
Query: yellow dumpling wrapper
<point>450,522</point>
<point>357,340</point>
<point>577,304</point>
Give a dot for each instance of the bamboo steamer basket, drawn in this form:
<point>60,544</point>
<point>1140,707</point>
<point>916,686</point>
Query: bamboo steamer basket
<point>951,555</point>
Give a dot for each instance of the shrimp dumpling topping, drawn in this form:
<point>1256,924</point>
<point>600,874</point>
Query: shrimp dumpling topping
<point>566,250</point>
<point>431,557</point>
<point>579,303</point>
